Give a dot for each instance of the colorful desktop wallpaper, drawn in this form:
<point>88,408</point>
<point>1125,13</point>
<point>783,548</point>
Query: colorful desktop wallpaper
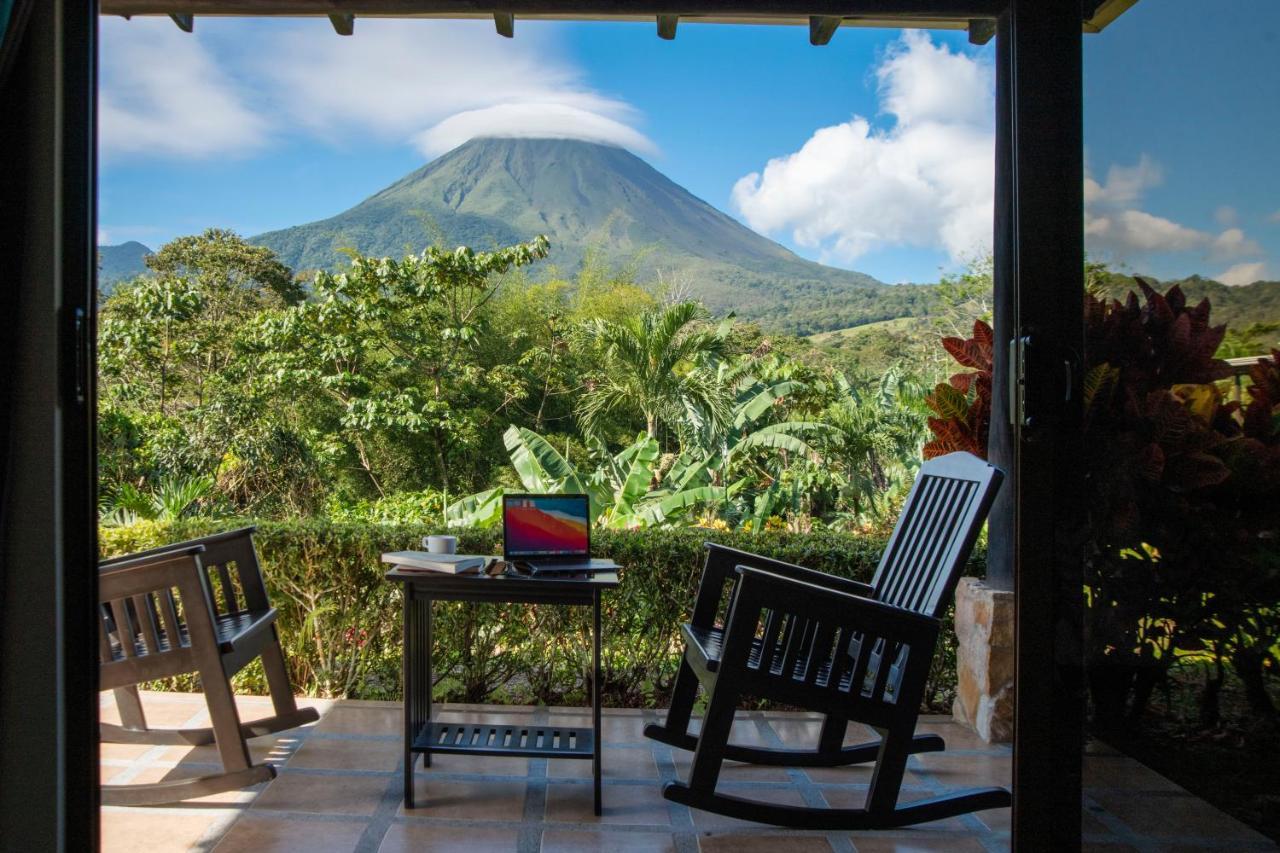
<point>546,525</point>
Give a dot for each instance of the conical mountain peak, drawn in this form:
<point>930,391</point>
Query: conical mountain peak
<point>493,191</point>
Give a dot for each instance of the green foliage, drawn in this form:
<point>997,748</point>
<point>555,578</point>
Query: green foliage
<point>340,621</point>
<point>963,403</point>
<point>390,347</point>
<point>649,366</point>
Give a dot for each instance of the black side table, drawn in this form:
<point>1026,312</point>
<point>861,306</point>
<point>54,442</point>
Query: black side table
<point>422,736</point>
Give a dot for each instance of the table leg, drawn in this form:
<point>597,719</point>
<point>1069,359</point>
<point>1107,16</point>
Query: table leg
<point>408,654</point>
<point>416,673</point>
<point>428,677</point>
<point>595,696</point>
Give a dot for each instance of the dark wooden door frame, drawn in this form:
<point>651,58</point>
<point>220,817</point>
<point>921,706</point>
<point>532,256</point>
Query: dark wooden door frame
<point>47,550</point>
<point>1039,284</point>
<point>48,513</point>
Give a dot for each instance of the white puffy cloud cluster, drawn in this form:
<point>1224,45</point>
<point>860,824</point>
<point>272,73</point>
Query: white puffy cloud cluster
<point>926,181</point>
<point>1117,228</point>
<point>232,88</point>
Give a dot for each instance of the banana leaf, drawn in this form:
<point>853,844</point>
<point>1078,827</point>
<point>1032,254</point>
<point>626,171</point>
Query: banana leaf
<point>642,455</point>
<point>482,509</point>
<point>540,466</point>
<point>763,401</point>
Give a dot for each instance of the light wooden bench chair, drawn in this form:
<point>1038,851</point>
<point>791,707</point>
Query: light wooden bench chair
<point>192,607</point>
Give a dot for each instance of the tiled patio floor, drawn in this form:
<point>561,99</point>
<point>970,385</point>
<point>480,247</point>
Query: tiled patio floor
<point>338,791</point>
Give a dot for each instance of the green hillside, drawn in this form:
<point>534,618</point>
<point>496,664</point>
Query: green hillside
<point>120,263</point>
<point>585,196</point>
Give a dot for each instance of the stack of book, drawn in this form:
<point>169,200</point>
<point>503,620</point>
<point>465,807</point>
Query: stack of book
<point>423,561</point>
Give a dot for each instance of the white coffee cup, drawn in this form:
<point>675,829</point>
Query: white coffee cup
<point>441,544</point>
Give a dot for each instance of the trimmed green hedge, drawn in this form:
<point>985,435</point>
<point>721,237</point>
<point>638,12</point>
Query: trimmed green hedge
<point>340,621</point>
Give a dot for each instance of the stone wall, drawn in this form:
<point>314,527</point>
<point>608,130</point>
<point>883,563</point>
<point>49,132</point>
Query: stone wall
<point>984,660</point>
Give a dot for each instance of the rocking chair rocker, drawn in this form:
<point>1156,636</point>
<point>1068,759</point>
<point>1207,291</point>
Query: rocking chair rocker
<point>197,606</point>
<point>854,652</point>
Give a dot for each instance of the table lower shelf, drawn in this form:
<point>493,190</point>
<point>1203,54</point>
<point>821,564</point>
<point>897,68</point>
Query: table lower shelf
<point>546,741</point>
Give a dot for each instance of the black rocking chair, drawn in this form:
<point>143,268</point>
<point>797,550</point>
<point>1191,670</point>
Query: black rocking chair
<point>848,650</point>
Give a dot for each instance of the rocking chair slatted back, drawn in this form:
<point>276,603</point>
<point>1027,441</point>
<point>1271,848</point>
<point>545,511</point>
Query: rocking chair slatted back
<point>941,519</point>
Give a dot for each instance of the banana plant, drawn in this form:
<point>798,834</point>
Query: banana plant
<point>621,489</point>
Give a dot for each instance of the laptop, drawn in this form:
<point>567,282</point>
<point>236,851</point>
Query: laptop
<point>549,534</point>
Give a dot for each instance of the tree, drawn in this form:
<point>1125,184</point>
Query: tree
<point>179,390</point>
<point>386,355</point>
<point>649,366</point>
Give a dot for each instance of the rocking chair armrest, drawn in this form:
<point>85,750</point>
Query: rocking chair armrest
<point>800,573</point>
<point>768,589</point>
<point>722,563</point>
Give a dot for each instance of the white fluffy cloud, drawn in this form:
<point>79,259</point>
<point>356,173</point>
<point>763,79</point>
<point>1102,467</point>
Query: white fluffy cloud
<point>926,182</point>
<point>1242,274</point>
<point>163,93</point>
<point>231,87</point>
<point>1117,227</point>
<point>539,120</point>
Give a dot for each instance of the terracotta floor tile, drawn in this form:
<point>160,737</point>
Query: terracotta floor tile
<point>614,763</point>
<point>312,782</point>
<point>626,804</point>
<point>920,842</point>
<point>1120,771</point>
<point>315,794</point>
<point>730,842</point>
<point>963,771</point>
<point>1173,817</point>
<point>770,794</point>
<point>732,771</point>
<point>841,799</point>
<point>154,830</point>
<point>162,711</point>
<point>323,754</point>
<point>744,731</point>
<point>467,800</point>
<point>260,834</point>
<point>566,841</point>
<point>123,751</point>
<point>797,733</point>
<point>959,737</point>
<point>428,838</point>
<point>166,773</point>
<point>261,750</point>
<point>852,774</point>
<point>362,721</point>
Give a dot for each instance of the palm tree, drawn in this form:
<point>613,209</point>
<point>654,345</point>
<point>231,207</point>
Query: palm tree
<point>649,361</point>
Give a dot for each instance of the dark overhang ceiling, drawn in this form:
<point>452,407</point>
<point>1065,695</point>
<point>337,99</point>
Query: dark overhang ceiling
<point>822,17</point>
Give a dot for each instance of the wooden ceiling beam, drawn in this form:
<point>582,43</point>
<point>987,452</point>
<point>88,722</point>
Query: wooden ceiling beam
<point>667,26</point>
<point>822,29</point>
<point>343,24</point>
<point>982,31</point>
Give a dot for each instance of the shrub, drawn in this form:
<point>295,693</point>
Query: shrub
<point>340,621</point>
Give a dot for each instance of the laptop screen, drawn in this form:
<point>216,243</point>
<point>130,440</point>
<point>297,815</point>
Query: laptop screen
<point>546,526</point>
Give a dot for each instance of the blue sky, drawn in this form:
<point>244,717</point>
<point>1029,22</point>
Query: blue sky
<point>873,153</point>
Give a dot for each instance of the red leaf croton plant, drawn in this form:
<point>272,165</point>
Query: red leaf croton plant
<point>1183,496</point>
